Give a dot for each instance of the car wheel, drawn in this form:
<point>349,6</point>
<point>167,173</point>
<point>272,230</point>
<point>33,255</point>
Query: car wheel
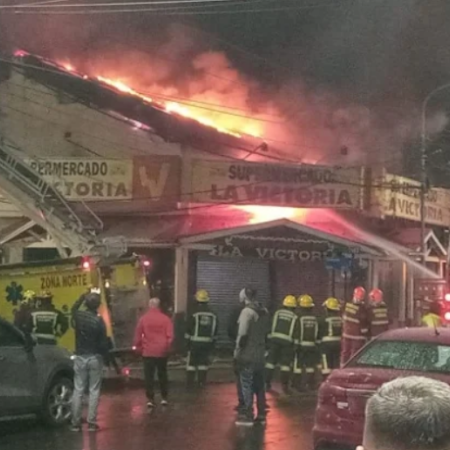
<point>58,401</point>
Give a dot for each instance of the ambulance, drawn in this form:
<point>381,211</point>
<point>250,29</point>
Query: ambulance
<point>123,285</point>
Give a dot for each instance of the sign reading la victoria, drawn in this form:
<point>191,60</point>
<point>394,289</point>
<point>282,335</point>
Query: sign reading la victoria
<point>400,197</point>
<point>302,185</point>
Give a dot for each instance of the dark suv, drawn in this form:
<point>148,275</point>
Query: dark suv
<point>34,379</point>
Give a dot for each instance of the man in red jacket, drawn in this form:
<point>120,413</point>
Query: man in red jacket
<point>153,339</point>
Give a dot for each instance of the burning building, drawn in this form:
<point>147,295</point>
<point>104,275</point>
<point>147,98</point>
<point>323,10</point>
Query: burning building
<point>206,202</point>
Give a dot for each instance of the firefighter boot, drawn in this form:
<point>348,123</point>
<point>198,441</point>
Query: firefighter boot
<point>284,377</point>
<point>190,379</point>
<point>202,375</point>
<point>269,376</point>
<point>310,381</point>
<point>298,383</point>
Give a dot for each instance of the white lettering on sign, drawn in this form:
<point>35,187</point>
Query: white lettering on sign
<point>278,195</point>
<point>88,180</point>
<point>279,185</point>
<point>269,253</point>
<point>400,197</point>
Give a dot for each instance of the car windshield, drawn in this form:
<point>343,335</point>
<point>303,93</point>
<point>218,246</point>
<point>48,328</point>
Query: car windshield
<point>420,356</point>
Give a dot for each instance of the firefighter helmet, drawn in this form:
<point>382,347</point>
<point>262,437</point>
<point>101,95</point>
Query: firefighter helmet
<point>305,301</point>
<point>202,296</point>
<point>376,296</point>
<point>289,301</point>
<point>46,295</point>
<point>28,297</point>
<point>359,293</point>
<point>332,304</point>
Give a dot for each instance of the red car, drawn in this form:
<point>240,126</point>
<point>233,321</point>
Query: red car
<point>339,419</point>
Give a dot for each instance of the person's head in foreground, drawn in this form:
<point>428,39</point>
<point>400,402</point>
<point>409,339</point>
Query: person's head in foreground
<point>411,413</point>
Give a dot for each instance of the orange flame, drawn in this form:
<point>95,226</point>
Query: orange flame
<point>177,108</point>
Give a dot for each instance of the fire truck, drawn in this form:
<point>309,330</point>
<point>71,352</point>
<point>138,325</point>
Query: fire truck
<point>85,260</point>
<point>122,282</point>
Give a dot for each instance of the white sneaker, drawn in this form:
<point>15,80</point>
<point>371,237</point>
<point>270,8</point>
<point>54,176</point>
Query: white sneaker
<point>150,405</point>
<point>164,402</point>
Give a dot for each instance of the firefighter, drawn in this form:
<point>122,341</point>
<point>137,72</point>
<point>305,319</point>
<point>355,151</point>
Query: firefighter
<point>377,313</point>
<point>281,342</point>
<point>307,359</point>
<point>200,335</point>
<point>48,323</point>
<point>432,318</point>
<point>354,325</point>
<point>23,318</point>
<point>330,334</point>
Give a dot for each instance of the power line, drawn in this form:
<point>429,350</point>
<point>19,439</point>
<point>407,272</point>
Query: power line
<point>47,5</point>
<point>245,149</point>
<point>126,121</point>
<point>178,13</point>
<point>70,75</point>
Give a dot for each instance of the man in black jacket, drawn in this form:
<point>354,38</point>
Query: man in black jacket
<point>91,346</point>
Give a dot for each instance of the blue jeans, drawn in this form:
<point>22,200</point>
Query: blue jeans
<point>252,382</point>
<point>88,375</point>
<point>239,388</point>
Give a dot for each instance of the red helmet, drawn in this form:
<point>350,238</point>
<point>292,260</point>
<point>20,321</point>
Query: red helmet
<point>359,294</point>
<point>376,295</point>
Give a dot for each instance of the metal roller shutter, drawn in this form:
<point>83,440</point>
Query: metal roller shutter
<point>302,278</point>
<point>224,278</point>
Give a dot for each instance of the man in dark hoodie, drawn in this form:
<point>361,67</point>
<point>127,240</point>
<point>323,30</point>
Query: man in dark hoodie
<point>254,326</point>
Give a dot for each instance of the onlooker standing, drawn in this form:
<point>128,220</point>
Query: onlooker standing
<point>232,329</point>
<point>153,339</point>
<point>254,326</point>
<point>91,346</point>
<point>410,413</point>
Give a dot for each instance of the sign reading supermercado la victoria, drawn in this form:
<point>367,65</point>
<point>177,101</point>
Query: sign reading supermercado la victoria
<point>305,186</point>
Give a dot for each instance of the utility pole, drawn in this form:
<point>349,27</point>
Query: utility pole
<point>423,170</point>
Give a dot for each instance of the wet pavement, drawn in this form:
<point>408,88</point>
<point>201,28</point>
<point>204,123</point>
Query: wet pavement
<point>201,420</point>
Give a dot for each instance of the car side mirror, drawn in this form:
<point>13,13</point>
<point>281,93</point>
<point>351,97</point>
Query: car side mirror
<point>30,342</point>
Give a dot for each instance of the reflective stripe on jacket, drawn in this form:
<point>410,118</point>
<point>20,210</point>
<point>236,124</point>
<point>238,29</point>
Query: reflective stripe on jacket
<point>431,320</point>
<point>330,329</point>
<point>378,320</point>
<point>354,322</point>
<point>202,327</point>
<point>308,335</point>
<point>283,325</point>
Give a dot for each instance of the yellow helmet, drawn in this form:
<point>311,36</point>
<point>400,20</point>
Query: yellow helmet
<point>29,295</point>
<point>202,296</point>
<point>332,303</point>
<point>305,301</point>
<point>289,301</point>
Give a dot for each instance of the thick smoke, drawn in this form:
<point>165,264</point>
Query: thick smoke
<point>301,120</point>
